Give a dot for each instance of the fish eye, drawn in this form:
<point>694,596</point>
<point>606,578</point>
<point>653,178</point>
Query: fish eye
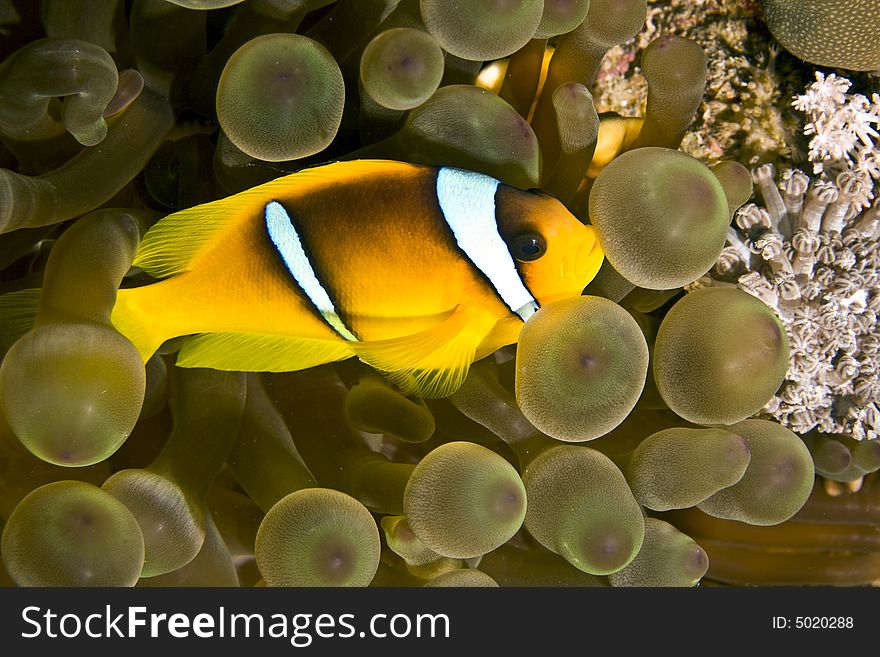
<point>528,247</point>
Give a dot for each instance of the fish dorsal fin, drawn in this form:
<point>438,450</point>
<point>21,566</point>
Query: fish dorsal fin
<point>431,363</point>
<point>174,244</point>
<point>256,352</point>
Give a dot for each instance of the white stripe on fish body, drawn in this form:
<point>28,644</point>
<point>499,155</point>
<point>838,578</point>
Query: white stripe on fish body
<point>467,202</point>
<point>289,245</point>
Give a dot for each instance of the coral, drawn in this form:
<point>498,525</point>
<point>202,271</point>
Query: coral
<point>840,127</point>
<point>810,253</point>
<point>814,261</point>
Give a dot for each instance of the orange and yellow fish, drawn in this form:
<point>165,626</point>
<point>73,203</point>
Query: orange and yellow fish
<point>416,270</point>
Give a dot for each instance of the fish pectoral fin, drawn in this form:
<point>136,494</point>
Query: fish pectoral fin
<point>432,363</point>
<point>18,310</point>
<point>257,352</point>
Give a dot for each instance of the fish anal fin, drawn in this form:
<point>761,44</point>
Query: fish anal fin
<point>256,352</point>
<point>432,363</point>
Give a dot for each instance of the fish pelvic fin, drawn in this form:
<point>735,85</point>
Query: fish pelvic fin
<point>432,363</point>
<point>139,326</point>
<point>255,352</point>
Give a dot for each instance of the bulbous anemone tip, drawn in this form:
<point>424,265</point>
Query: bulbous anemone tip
<point>866,455</point>
<point>667,558</point>
<point>696,563</point>
<point>561,16</point>
<point>464,500</point>
<point>777,482</point>
<point>92,134</point>
<point>720,355</point>
<point>657,200</point>
<point>467,127</point>
<point>841,34</point>
<point>88,383</point>
<point>482,29</point>
<point>401,68</point>
<point>281,97</point>
<point>204,4</point>
<point>318,537</point>
<point>679,467</point>
<point>581,507</point>
<point>69,533</point>
<point>602,550</point>
<point>465,577</point>
<point>611,22</point>
<point>736,180</point>
<point>581,365</point>
<point>128,88</point>
<point>374,407</point>
<point>831,457</point>
<point>675,60</point>
<point>172,524</point>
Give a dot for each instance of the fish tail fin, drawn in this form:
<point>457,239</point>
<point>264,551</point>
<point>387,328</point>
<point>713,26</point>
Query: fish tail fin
<point>141,327</point>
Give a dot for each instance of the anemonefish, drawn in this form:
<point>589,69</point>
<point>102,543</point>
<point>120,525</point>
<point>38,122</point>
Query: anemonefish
<point>416,270</point>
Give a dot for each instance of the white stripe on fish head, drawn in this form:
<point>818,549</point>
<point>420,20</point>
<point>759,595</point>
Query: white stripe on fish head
<point>287,241</point>
<point>467,202</point>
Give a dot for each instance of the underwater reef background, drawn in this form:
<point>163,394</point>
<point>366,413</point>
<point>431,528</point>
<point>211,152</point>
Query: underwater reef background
<point>706,412</point>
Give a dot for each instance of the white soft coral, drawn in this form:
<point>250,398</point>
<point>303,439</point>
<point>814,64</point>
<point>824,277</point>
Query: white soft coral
<point>842,126</point>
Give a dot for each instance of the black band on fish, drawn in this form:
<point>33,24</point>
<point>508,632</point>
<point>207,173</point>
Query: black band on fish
<point>287,242</point>
<point>467,203</point>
